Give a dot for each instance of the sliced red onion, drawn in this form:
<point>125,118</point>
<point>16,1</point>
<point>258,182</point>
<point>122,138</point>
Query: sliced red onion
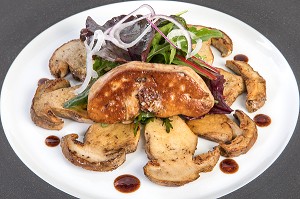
<point>114,28</point>
<point>134,42</point>
<point>160,32</point>
<point>91,49</point>
<point>198,44</point>
<point>179,32</point>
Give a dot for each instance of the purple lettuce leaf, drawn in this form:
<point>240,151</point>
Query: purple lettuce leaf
<point>110,51</point>
<point>216,87</point>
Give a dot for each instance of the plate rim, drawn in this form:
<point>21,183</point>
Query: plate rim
<point>5,82</point>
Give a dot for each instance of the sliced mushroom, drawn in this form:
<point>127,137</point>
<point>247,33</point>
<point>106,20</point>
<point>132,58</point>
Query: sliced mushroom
<point>255,84</point>
<point>234,86</point>
<point>224,44</point>
<point>104,147</point>
<point>71,56</point>
<point>214,127</point>
<point>207,161</point>
<point>171,154</point>
<point>242,143</point>
<point>206,53</point>
<point>47,105</point>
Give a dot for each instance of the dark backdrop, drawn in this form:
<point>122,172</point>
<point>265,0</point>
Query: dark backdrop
<point>279,21</point>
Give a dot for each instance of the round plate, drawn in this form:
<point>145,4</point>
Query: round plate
<point>27,140</point>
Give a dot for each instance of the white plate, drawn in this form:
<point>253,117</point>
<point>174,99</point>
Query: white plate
<point>27,140</point>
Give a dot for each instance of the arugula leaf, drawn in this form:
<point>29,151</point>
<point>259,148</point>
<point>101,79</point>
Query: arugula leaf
<point>101,66</point>
<point>205,34</point>
<point>143,118</point>
<point>167,123</point>
<point>162,52</point>
<point>159,46</point>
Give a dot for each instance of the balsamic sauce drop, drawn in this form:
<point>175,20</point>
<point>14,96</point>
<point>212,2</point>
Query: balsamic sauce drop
<point>52,141</point>
<point>127,183</point>
<point>42,80</point>
<point>262,120</point>
<point>241,57</point>
<point>229,166</point>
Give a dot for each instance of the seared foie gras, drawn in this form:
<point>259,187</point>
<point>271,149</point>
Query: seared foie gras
<point>165,90</point>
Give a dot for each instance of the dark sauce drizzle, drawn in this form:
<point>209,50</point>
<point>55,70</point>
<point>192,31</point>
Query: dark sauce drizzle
<point>127,183</point>
<point>42,81</point>
<point>229,166</point>
<point>52,141</point>
<point>262,120</point>
<point>241,57</point>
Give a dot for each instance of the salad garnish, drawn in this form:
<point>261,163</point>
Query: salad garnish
<point>152,38</point>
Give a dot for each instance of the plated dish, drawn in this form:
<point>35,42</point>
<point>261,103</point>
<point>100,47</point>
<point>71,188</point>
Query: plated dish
<point>41,161</point>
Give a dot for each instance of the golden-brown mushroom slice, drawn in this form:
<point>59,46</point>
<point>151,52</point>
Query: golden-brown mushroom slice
<point>206,53</point>
<point>207,161</point>
<point>214,127</point>
<point>255,84</point>
<point>223,44</point>
<point>234,86</point>
<point>242,143</point>
<point>47,105</point>
<point>104,147</point>
<point>171,154</point>
<point>71,56</point>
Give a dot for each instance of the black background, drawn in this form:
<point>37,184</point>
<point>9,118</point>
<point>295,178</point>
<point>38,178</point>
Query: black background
<point>279,21</point>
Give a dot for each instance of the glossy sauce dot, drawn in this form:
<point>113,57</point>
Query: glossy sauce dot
<point>241,57</point>
<point>262,120</point>
<point>52,141</point>
<point>127,183</point>
<point>42,81</point>
<point>229,166</point>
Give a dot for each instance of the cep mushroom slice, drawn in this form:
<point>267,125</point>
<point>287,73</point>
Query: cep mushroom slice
<point>242,143</point>
<point>214,127</point>
<point>207,161</point>
<point>233,87</point>
<point>255,84</point>
<point>47,105</point>
<point>104,147</point>
<point>171,161</point>
<point>224,44</point>
<point>71,56</point>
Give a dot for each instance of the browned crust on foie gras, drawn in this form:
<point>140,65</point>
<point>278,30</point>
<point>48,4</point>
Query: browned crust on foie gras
<point>164,90</point>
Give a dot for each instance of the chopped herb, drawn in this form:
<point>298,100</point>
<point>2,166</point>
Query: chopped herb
<point>104,125</point>
<point>143,118</point>
<point>167,123</point>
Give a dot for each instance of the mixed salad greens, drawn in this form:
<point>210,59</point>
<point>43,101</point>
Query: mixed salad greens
<point>149,38</point>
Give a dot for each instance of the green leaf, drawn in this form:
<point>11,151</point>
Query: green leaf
<point>101,66</point>
<point>172,54</point>
<point>159,46</point>
<point>205,34</point>
<point>103,125</point>
<point>143,118</point>
<point>167,123</point>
